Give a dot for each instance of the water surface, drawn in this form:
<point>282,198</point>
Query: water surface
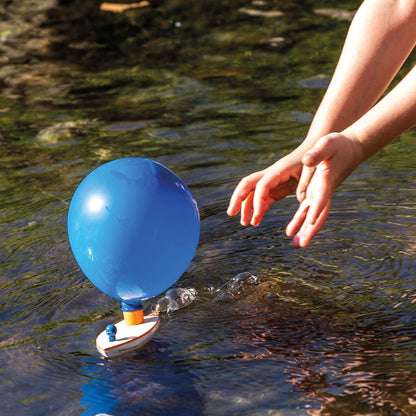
<point>213,90</point>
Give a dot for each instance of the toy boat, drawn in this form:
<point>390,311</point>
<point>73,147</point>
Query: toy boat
<point>133,227</point>
<point>123,338</point>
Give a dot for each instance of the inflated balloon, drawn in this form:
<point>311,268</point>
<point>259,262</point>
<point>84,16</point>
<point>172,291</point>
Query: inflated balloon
<point>133,227</point>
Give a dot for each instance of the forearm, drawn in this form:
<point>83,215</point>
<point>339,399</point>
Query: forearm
<point>336,155</point>
<point>390,117</point>
<point>379,40</point>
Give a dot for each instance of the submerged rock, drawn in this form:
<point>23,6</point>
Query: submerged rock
<point>339,14</point>
<point>261,13</point>
<point>276,42</point>
<point>64,130</point>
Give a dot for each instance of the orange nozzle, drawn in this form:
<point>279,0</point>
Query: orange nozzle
<point>133,317</point>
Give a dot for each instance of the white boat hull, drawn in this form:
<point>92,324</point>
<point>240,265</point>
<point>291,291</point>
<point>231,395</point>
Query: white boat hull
<point>128,337</point>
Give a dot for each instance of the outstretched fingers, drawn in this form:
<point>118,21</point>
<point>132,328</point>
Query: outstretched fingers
<point>247,209</point>
<point>305,179</point>
<point>307,229</point>
<point>272,187</point>
<point>241,192</point>
<point>242,198</point>
<point>256,193</point>
<point>263,199</point>
<point>298,219</point>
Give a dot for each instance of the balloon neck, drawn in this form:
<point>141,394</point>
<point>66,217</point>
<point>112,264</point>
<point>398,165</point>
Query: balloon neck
<point>133,314</point>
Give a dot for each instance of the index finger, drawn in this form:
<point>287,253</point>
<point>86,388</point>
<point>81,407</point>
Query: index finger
<point>270,189</point>
<point>242,191</point>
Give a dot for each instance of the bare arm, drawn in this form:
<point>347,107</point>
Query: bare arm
<point>336,155</point>
<point>380,38</point>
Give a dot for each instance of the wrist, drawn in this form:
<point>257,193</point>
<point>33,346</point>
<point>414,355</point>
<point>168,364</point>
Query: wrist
<point>357,142</point>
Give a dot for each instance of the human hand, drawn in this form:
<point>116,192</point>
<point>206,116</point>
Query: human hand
<point>326,165</point>
<point>257,192</point>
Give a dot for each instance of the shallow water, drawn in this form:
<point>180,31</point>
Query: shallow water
<point>213,91</point>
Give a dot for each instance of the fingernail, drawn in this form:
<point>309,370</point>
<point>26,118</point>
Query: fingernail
<point>296,241</point>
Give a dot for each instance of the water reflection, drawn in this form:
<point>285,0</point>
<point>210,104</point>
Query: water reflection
<point>329,330</point>
<point>138,385</point>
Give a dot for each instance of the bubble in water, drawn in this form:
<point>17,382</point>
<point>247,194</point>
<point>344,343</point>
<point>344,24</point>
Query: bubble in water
<point>175,299</point>
<point>178,298</point>
<point>236,286</point>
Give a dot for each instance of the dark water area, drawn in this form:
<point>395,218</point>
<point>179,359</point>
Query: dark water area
<point>214,91</point>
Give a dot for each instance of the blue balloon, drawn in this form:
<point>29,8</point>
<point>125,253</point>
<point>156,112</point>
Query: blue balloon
<point>133,227</point>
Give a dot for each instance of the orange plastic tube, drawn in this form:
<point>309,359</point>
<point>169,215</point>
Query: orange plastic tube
<point>133,317</point>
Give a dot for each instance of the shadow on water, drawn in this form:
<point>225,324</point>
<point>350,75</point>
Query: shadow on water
<point>213,90</point>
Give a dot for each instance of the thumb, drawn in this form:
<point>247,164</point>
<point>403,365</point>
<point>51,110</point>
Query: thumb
<point>323,149</point>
